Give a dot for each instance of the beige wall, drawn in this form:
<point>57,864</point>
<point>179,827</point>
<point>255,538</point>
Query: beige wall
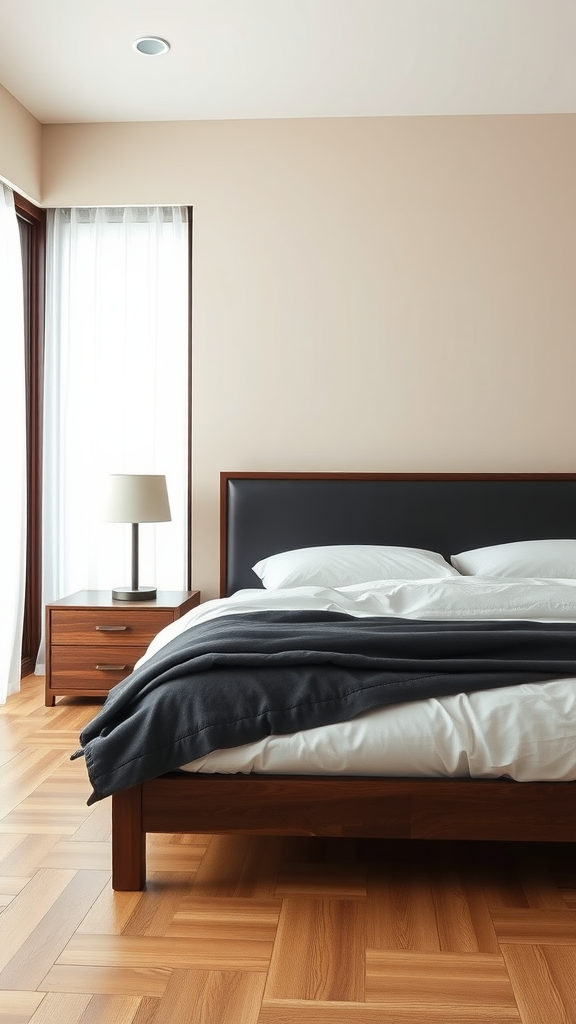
<point>370,294</point>
<point>20,147</point>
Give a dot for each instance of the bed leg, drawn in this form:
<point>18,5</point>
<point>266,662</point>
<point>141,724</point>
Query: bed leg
<point>128,841</point>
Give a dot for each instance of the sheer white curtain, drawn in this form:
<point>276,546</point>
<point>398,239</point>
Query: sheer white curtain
<point>12,448</point>
<point>116,392</point>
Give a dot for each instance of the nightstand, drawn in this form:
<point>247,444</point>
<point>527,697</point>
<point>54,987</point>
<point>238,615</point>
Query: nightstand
<point>93,642</point>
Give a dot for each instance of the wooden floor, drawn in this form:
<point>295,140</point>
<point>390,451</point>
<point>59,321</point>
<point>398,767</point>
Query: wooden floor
<point>261,931</point>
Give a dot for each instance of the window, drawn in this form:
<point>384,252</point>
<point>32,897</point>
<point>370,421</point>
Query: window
<point>116,391</point>
<point>32,225</point>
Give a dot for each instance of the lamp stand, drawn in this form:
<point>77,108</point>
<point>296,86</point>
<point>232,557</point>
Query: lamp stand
<point>134,593</point>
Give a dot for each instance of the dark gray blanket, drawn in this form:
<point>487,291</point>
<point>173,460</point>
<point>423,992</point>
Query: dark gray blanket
<point>237,679</point>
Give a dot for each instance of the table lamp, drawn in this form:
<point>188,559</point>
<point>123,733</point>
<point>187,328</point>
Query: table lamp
<point>136,498</point>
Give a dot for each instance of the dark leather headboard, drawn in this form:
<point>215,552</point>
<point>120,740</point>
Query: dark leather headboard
<point>263,513</point>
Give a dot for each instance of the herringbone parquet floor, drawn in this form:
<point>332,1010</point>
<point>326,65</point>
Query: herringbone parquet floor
<point>259,930</point>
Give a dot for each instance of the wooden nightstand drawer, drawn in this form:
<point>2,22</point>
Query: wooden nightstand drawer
<point>95,668</point>
<point>108,627</point>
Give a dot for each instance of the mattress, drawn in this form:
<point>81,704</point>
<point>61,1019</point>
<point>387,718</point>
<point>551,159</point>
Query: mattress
<point>525,732</point>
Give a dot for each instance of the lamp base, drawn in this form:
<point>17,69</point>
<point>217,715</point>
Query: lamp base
<point>127,594</point>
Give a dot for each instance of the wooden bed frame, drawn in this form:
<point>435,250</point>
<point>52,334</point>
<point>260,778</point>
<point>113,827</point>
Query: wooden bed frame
<point>266,512</point>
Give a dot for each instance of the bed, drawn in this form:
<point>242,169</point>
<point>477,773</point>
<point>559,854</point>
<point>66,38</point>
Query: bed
<point>267,513</point>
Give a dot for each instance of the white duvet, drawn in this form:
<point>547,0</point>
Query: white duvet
<point>525,732</point>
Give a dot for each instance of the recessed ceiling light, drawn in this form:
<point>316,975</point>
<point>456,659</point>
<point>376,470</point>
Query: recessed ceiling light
<point>152,46</point>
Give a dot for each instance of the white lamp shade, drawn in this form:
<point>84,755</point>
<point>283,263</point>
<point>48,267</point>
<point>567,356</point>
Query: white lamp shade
<point>136,498</point>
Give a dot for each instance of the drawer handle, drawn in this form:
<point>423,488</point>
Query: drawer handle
<point>111,668</point>
<point>111,629</point>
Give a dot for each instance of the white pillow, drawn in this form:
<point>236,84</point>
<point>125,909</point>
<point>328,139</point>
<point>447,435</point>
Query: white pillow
<point>530,559</point>
<point>342,565</point>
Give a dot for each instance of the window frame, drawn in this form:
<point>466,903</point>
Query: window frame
<point>35,218</point>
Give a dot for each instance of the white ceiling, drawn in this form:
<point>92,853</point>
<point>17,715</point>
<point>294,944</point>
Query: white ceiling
<point>72,60</point>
